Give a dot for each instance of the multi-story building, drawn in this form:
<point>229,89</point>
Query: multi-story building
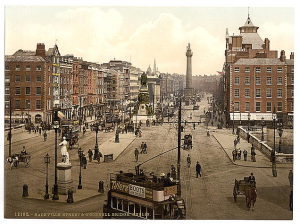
<point>256,80</point>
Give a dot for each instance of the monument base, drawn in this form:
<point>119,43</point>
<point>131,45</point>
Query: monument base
<point>188,93</point>
<point>142,110</point>
<point>64,178</point>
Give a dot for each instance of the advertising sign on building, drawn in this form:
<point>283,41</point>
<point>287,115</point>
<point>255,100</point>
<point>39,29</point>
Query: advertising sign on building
<point>253,116</point>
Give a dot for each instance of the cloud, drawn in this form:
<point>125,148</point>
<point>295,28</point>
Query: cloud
<point>281,36</point>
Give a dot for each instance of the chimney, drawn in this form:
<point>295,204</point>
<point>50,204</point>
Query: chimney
<point>282,56</point>
<point>40,50</point>
<point>292,55</point>
<point>267,44</point>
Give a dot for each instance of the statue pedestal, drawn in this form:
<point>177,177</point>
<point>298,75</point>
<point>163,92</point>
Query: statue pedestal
<point>64,178</point>
<point>142,109</point>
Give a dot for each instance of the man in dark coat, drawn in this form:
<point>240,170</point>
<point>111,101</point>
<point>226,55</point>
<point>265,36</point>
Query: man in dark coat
<point>84,161</point>
<point>198,170</point>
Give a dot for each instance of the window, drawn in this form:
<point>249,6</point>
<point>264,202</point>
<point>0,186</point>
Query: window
<point>257,70</point>
<point>292,92</point>
<point>247,93</point>
<point>38,90</point>
<point>7,91</point>
<point>236,106</point>
<point>247,69</point>
<point>269,80</point>
<point>27,68</point>
<point>7,68</point>
<point>236,93</point>
<point>38,78</point>
<point>38,68</point>
<point>236,69</point>
<point>279,80</point>
<point>27,78</point>
<point>17,104</point>
<point>38,104</point>
<point>279,93</point>
<point>269,107</point>
<point>279,106</point>
<point>269,69</point>
<point>247,80</point>
<point>292,80</point>
<point>247,106</point>
<point>18,67</point>
<point>257,80</point>
<point>279,69</point>
<point>257,106</point>
<point>27,104</point>
<point>257,93</point>
<point>17,91</point>
<point>236,80</point>
<point>27,90</point>
<point>293,70</point>
<point>17,78</point>
<point>269,93</point>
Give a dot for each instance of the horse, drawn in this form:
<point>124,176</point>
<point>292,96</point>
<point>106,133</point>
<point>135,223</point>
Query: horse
<point>13,160</point>
<point>250,197</point>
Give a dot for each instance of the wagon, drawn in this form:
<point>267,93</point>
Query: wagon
<point>24,158</point>
<point>240,187</point>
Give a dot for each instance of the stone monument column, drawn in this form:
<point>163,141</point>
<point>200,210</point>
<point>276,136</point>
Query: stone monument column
<point>188,91</point>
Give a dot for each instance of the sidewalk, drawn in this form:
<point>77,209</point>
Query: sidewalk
<point>226,138</point>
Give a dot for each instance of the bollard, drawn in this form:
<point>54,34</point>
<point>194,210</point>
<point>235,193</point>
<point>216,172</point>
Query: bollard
<point>25,191</point>
<point>101,187</point>
<point>117,138</point>
<point>70,196</point>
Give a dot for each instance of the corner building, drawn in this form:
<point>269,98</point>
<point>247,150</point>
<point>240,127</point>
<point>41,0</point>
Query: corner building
<point>256,79</point>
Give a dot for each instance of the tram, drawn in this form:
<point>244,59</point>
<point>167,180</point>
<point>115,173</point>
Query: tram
<point>141,196</point>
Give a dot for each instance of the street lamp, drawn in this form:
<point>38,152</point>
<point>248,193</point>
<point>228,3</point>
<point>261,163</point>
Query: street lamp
<point>47,161</point>
<point>55,126</point>
<point>262,128</point>
<point>80,151</point>
<point>96,126</point>
<point>249,116</point>
<point>273,156</point>
<point>233,119</point>
<point>280,132</point>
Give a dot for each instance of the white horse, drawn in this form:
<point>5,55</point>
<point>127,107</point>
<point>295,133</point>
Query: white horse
<point>12,160</point>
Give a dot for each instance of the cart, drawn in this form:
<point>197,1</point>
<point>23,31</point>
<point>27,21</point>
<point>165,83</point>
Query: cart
<point>24,158</point>
<point>240,187</point>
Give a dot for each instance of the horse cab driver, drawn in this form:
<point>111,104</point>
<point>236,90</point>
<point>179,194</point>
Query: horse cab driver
<point>251,178</point>
<point>23,152</point>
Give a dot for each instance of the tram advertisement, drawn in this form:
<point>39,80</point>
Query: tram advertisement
<point>131,189</point>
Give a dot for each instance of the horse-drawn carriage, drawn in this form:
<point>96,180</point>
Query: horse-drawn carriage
<point>15,159</point>
<point>108,129</point>
<point>247,188</point>
<point>188,142</point>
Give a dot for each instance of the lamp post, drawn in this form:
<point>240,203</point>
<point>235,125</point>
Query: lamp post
<point>262,128</point>
<point>80,151</point>
<point>249,116</point>
<point>47,161</point>
<point>280,132</point>
<point>233,119</point>
<point>96,126</point>
<point>274,172</point>
<point>56,127</point>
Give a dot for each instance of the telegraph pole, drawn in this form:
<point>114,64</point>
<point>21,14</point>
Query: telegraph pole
<point>179,142</point>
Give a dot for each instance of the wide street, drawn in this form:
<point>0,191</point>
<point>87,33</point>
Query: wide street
<point>208,197</point>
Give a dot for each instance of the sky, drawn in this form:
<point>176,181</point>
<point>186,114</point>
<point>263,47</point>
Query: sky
<point>142,34</point>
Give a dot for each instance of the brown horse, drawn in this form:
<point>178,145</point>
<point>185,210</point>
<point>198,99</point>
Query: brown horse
<point>250,197</point>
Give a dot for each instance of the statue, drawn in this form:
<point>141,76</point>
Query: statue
<point>144,79</point>
<point>64,151</point>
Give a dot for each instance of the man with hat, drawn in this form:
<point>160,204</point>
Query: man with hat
<point>198,169</point>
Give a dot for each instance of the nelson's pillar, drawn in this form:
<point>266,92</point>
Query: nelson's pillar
<point>188,90</point>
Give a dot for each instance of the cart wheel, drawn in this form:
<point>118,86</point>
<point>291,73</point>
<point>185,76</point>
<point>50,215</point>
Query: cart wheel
<point>16,164</point>
<point>26,163</point>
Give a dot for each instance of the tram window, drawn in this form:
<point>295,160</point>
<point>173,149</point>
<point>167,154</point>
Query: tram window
<point>114,202</point>
<point>131,207</point>
<point>137,209</point>
<point>125,205</point>
<point>149,213</point>
<point>158,212</point>
<point>120,204</point>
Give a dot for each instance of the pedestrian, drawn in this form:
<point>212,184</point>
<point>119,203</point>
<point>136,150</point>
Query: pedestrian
<point>140,133</point>
<point>234,154</point>
<point>245,154</point>
<point>90,152</point>
<point>239,153</point>
<point>145,148</point>
<point>98,155</point>
<point>142,148</point>
<point>198,170</point>
<point>84,161</point>
<point>290,177</point>
<point>188,159</point>
<point>136,154</point>
<point>45,136</point>
<point>253,159</point>
<point>173,172</point>
<point>194,126</point>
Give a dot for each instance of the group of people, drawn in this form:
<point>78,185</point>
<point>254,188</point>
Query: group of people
<point>90,157</point>
<point>237,154</point>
